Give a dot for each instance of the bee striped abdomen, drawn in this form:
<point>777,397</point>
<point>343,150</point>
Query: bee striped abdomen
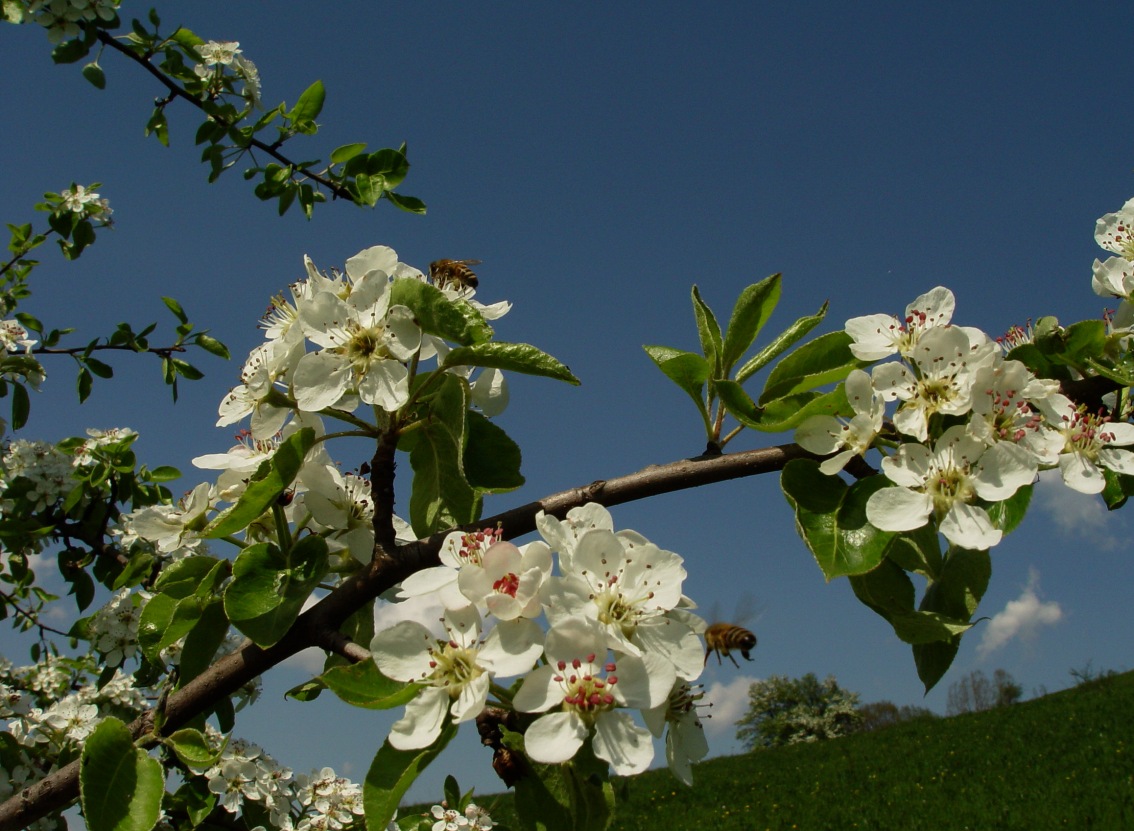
<point>726,638</point>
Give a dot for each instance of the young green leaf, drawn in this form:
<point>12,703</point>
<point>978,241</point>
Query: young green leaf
<point>491,459</point>
<point>709,331</point>
<point>752,310</point>
<point>781,344</point>
<point>438,315</point>
<point>784,413</point>
<point>515,357</point>
<point>309,105</point>
<point>825,360</point>
<point>686,369</point>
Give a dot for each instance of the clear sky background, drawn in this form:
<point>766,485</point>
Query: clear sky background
<point>600,159</point>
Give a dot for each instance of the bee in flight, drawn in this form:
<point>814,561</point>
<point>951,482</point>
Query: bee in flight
<point>453,274</point>
<point>726,638</point>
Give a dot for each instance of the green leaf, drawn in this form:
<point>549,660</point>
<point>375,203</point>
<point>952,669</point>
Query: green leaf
<point>93,73</point>
<point>709,331</point>
<point>409,204</point>
<point>391,774</point>
<point>831,518</point>
<point>783,413</point>
<point>268,587</point>
<point>120,786</point>
<point>21,405</point>
<point>886,589</point>
<point>783,341</point>
<point>438,315</point>
<point>491,458</point>
<point>273,477</point>
<point>963,582</point>
<point>515,357</point>
<point>1009,513</point>
<point>364,685</point>
<point>686,369</point>
<point>175,307</point>
<point>202,643</point>
<point>346,152</point>
<point>441,496</point>
<point>752,310</point>
<point>192,748</point>
<point>212,345</point>
<point>309,105</point>
<point>825,360</point>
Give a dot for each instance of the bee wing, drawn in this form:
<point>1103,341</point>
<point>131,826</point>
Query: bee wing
<point>470,262</point>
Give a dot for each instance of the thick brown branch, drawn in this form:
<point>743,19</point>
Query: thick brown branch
<point>319,625</point>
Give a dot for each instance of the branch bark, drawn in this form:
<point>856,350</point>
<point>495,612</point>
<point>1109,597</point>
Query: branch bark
<point>319,625</point>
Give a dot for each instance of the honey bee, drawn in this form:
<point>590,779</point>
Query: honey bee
<point>725,638</point>
<point>453,274</point>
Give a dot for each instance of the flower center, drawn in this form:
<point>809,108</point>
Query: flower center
<point>454,667</point>
<point>508,584</point>
<point>1084,433</point>
<point>365,345</point>
<point>586,693</point>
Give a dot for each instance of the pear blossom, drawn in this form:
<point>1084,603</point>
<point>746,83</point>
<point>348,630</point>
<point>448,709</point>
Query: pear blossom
<point>170,527</point>
<point>342,502</point>
<point>14,337</point>
<point>824,434</point>
<point>1113,278</point>
<point>685,741</point>
<point>454,674</point>
<point>581,694</point>
<point>1090,442</point>
<point>946,482</point>
<point>509,580</point>
<point>458,550</point>
<point>1006,397</point>
<point>267,364</point>
<point>941,380</point>
<point>1113,231</point>
<point>878,336</point>
<point>364,343</point>
<point>630,590</point>
<point>562,535</point>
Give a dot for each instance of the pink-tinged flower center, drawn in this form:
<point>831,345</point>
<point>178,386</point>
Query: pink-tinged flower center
<point>508,584</point>
<point>587,692</point>
<point>473,545</point>
<point>1084,433</point>
<point>1012,418</point>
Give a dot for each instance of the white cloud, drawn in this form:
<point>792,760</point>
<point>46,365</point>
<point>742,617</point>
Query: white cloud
<point>1021,617</point>
<point>730,701</point>
<point>1078,515</point>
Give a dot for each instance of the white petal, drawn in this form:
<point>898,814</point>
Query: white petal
<point>625,744</point>
<point>385,385</point>
<point>898,509</point>
<point>319,380</point>
<point>401,334</point>
<point>512,647</point>
<point>471,699</point>
<point>875,336</point>
<point>1003,469</point>
<point>555,737</point>
<point>539,691</point>
<point>1080,473</point>
<point>421,725</point>
<point>376,258</point>
<point>1117,459</point>
<point>969,527</point>
<point>402,651</point>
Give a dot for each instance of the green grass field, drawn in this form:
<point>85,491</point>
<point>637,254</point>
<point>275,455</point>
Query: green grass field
<point>1062,761</point>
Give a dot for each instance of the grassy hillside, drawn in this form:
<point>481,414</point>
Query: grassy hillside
<point>1062,761</point>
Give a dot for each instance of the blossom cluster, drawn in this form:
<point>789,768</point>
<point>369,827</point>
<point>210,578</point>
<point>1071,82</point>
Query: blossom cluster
<point>63,19</point>
<point>215,57</point>
<point>619,639</point>
<point>362,345</point>
<point>968,427</point>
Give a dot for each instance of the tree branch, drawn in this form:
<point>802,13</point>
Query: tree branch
<point>319,625</point>
<point>177,92</point>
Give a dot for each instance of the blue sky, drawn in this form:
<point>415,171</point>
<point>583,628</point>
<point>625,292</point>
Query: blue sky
<point>600,160</point>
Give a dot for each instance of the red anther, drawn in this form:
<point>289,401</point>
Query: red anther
<point>591,658</point>
<point>562,665</point>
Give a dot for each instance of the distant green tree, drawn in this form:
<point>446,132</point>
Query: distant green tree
<point>784,710</point>
<point>880,714</point>
<point>975,692</point>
